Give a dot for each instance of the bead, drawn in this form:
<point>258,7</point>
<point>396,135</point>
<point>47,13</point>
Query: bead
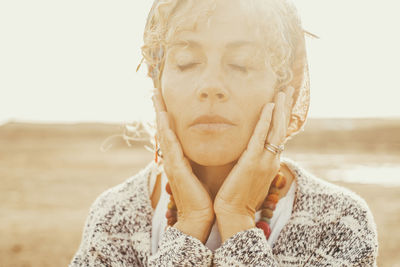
<point>171,205</point>
<point>265,227</point>
<point>269,205</point>
<point>168,189</point>
<point>266,213</point>
<point>265,219</point>
<point>273,190</point>
<point>172,221</point>
<point>170,214</point>
<point>279,181</point>
<point>279,174</point>
<point>273,198</point>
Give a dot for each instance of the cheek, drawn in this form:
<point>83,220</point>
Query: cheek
<point>176,102</point>
<point>251,118</point>
<point>257,86</point>
<point>251,97</point>
<point>251,104</point>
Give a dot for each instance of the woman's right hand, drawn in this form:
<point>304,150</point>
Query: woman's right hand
<point>193,202</point>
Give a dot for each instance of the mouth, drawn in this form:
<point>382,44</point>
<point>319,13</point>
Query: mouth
<point>212,121</point>
<point>211,124</point>
<point>211,127</point>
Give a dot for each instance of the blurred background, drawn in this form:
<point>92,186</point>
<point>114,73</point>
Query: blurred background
<point>68,88</point>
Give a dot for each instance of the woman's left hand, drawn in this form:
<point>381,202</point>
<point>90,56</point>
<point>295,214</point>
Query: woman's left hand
<point>247,185</point>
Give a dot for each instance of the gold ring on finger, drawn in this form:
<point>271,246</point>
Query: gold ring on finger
<point>274,148</point>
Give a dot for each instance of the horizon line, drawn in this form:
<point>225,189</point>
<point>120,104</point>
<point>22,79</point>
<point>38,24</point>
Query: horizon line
<point>71,122</point>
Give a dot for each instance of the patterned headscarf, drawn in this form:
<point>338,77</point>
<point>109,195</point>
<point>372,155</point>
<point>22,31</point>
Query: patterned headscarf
<point>301,84</point>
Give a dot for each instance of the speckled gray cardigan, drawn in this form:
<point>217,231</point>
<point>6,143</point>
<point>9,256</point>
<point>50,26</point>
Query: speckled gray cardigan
<point>329,226</point>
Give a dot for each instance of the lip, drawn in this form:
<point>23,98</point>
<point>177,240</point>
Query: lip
<point>211,127</point>
<point>211,119</point>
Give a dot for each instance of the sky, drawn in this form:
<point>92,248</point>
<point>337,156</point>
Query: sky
<point>75,61</point>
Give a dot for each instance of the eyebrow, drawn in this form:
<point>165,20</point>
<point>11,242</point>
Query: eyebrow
<point>193,43</point>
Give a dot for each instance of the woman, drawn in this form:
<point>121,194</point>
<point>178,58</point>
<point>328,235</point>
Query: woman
<point>231,88</point>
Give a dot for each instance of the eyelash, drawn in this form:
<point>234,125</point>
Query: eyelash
<point>188,66</point>
<point>240,68</point>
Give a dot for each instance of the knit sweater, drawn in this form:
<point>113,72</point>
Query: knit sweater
<point>329,226</point>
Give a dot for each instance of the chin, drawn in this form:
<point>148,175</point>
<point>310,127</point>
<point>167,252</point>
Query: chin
<point>212,156</point>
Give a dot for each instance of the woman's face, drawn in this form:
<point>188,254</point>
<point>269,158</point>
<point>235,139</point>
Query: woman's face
<point>221,73</point>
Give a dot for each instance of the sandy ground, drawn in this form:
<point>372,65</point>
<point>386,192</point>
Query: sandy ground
<point>51,174</point>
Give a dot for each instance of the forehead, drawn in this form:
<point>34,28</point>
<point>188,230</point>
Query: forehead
<point>228,25</point>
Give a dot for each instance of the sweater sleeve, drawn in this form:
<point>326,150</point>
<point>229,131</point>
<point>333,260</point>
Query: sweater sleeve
<point>347,239</point>
<point>104,242</point>
<point>105,249</point>
<point>245,248</point>
<point>110,238</point>
<point>179,249</point>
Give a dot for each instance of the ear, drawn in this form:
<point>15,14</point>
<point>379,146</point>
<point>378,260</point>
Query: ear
<point>301,89</point>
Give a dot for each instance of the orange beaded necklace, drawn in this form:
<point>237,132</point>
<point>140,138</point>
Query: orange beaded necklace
<point>267,207</point>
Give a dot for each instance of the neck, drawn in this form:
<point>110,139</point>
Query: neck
<point>212,177</point>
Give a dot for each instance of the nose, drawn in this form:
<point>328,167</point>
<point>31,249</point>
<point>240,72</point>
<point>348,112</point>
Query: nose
<point>212,90</point>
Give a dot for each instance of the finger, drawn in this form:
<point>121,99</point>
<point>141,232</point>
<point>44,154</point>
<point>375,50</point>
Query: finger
<point>156,101</point>
<point>160,100</point>
<point>173,156</point>
<point>161,124</point>
<point>158,135</point>
<point>162,120</point>
<point>171,145</point>
<point>160,104</point>
<point>257,140</point>
<point>156,107</point>
<point>156,112</point>
<point>276,133</point>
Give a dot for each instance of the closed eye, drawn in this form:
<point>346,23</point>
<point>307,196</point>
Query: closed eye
<point>240,68</point>
<point>187,66</point>
<point>191,65</point>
